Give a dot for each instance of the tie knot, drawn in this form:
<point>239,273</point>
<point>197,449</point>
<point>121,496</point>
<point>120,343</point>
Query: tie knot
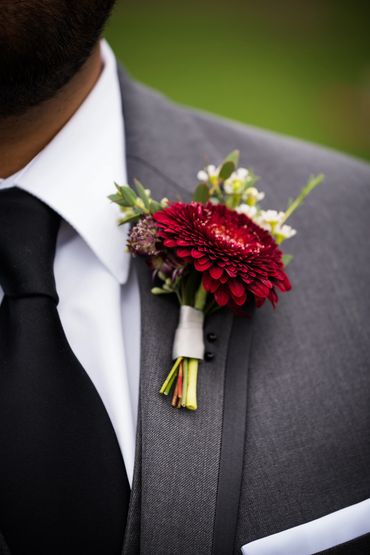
<point>28,234</point>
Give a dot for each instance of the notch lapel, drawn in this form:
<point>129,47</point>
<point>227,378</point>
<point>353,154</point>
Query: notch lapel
<point>180,449</point>
<point>233,435</point>
<point>177,466</point>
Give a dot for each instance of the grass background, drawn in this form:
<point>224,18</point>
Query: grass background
<point>297,67</point>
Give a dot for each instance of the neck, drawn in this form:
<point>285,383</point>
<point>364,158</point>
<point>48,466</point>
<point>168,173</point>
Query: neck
<point>23,137</point>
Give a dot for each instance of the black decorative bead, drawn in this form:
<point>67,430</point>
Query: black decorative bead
<point>208,356</point>
<point>211,337</point>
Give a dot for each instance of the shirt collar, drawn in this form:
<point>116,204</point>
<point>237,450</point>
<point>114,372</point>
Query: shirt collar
<point>76,171</point>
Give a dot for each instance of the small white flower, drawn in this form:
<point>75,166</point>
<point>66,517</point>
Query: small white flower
<point>214,200</point>
<point>284,232</point>
<point>212,170</point>
<point>235,184</point>
<point>272,217</point>
<point>202,176</point>
<point>252,195</point>
<point>209,174</point>
<point>249,211</point>
<point>259,221</point>
<point>242,173</point>
<point>228,187</point>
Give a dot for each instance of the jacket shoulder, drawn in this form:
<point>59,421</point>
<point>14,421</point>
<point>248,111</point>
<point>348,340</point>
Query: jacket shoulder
<point>270,149</point>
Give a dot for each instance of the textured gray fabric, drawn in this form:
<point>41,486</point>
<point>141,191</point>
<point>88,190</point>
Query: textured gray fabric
<point>233,432</point>
<point>180,449</point>
<point>4,549</point>
<point>132,533</point>
<point>307,450</point>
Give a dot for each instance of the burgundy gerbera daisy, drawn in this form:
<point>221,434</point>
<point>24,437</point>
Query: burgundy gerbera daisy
<point>235,255</point>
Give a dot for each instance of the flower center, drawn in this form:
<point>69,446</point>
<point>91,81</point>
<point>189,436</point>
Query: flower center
<point>229,234</point>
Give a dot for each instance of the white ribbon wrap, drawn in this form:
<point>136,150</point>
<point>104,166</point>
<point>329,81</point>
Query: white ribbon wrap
<point>188,340</point>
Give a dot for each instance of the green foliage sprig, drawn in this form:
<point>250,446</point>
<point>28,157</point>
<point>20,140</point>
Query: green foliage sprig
<point>135,203</point>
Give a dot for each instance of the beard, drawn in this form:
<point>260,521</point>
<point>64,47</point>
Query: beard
<point>43,44</point>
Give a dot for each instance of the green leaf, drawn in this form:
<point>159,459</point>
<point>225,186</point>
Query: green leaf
<point>159,291</point>
<point>128,219</point>
<point>155,206</point>
<point>128,195</point>
<point>233,157</point>
<point>312,183</point>
<point>201,193</point>
<point>167,288</point>
<point>142,193</point>
<point>227,169</point>
<point>115,198</point>
<point>287,258</point>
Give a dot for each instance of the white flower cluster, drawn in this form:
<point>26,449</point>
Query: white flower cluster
<point>270,220</point>
<point>250,211</point>
<point>273,221</point>
<point>240,186</point>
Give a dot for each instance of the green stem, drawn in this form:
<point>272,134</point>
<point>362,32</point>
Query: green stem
<point>179,296</point>
<point>185,382</point>
<point>312,183</point>
<point>170,383</point>
<point>200,298</point>
<point>170,378</point>
<point>191,394</point>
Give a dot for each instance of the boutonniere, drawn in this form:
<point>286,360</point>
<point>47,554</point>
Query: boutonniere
<point>217,251</point>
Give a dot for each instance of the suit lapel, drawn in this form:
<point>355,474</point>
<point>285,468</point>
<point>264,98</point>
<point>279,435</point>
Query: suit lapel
<point>177,466</point>
<point>233,435</point>
<point>180,449</point>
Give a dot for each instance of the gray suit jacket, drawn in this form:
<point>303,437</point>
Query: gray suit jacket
<point>281,436</point>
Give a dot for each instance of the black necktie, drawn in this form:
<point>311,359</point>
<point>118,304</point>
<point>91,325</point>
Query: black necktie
<point>63,485</point>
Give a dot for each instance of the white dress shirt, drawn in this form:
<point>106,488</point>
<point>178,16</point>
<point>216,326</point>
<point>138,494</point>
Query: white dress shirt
<point>99,297</point>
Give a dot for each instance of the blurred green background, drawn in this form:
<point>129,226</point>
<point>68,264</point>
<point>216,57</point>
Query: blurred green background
<point>297,67</point>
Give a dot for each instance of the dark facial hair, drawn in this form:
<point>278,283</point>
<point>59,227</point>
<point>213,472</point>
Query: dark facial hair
<point>43,43</point>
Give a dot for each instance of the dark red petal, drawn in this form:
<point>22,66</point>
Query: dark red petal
<point>216,272</point>
<point>201,265</point>
<point>259,289</point>
<point>222,296</point>
<point>285,284</point>
<point>231,271</point>
<point>182,253</point>
<point>196,254</point>
<point>209,284</point>
<point>240,300</point>
<point>236,288</point>
<point>267,282</point>
<point>273,298</point>
<point>259,301</point>
<point>170,243</point>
